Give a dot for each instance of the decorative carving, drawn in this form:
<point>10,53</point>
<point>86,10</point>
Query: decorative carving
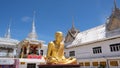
<point>113,22</point>
<point>72,33</point>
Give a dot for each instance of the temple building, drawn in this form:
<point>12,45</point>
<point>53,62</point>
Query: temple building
<point>31,50</point>
<point>98,46</point>
<point>8,46</point>
<point>31,44</point>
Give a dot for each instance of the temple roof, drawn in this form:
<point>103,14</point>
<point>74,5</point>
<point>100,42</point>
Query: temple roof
<point>72,33</point>
<point>116,11</point>
<point>7,42</point>
<point>34,41</point>
<point>99,32</point>
<point>90,35</point>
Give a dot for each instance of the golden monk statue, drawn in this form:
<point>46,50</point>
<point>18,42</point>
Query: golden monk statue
<point>55,53</point>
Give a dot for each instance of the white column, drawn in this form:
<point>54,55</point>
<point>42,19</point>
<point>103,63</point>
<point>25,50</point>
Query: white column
<point>118,63</point>
<point>84,65</point>
<point>90,61</point>
<point>14,52</point>
<point>91,65</point>
<point>39,51</point>
<point>8,53</point>
<point>107,63</point>
<point>28,48</point>
<point>98,63</point>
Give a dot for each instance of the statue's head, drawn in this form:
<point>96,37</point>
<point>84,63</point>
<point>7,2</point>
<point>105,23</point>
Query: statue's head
<point>59,36</point>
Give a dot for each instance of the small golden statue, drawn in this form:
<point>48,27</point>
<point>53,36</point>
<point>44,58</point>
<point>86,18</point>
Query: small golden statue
<point>55,53</point>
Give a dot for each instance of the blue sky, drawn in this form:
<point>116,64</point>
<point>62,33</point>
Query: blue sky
<point>52,16</point>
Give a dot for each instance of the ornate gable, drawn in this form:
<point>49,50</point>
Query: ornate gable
<point>114,20</point>
<point>72,33</point>
<point>113,23</point>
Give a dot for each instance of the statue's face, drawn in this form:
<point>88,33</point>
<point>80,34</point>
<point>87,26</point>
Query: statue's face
<point>59,36</point>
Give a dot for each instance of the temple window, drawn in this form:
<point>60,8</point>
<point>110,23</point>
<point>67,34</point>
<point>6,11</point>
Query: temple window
<point>72,53</point>
<point>41,52</point>
<point>97,50</point>
<point>25,50</point>
<point>115,47</point>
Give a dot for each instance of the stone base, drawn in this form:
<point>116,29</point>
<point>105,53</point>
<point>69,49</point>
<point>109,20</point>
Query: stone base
<point>59,66</point>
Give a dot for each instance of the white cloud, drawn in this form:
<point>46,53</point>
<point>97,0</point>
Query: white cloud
<point>26,19</point>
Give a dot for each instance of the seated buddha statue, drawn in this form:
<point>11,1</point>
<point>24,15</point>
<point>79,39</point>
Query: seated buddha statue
<point>55,52</point>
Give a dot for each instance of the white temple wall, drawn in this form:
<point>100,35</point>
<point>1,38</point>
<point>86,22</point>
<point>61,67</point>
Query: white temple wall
<point>86,51</point>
